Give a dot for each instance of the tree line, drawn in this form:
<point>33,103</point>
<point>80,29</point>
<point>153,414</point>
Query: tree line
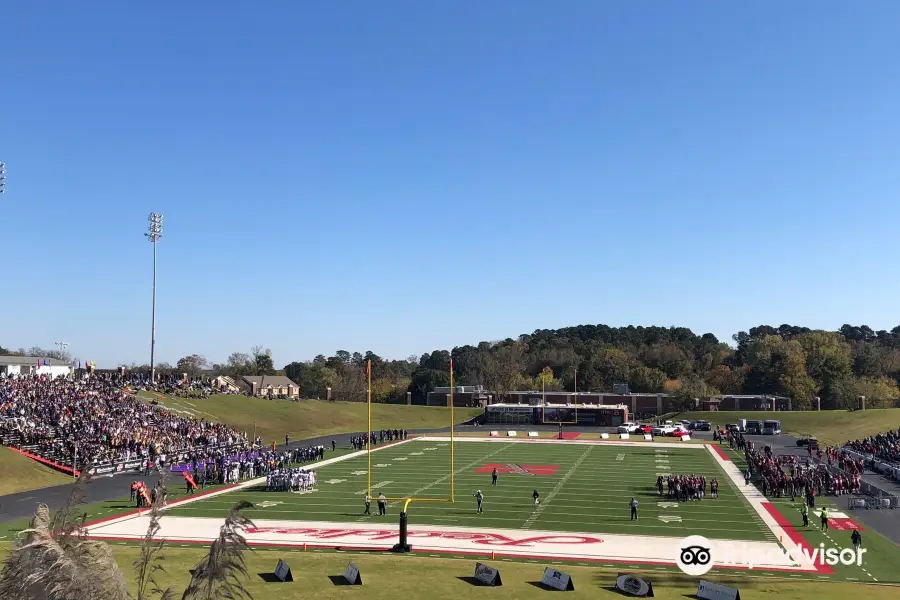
<point>788,360</point>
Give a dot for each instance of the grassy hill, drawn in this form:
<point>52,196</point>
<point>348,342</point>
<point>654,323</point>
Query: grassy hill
<point>310,418</point>
<point>830,426</point>
<point>19,473</point>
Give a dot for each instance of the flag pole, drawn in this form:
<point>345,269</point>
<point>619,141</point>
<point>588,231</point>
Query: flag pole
<point>369,431</point>
<point>452,426</point>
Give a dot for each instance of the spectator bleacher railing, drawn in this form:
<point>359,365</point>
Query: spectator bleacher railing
<point>876,496</point>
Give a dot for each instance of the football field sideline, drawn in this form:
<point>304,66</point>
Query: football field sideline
<point>585,488</point>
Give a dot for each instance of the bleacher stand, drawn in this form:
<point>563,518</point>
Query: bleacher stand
<point>92,422</point>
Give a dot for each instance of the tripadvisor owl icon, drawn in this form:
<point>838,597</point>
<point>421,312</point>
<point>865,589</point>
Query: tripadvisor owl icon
<point>694,556</point>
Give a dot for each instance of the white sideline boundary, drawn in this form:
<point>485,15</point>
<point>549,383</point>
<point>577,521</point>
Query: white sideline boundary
<point>249,483</point>
<point>679,445</point>
<point>751,494</point>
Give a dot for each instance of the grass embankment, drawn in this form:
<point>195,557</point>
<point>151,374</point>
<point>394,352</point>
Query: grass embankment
<point>19,473</point>
<point>830,426</point>
<point>272,419</point>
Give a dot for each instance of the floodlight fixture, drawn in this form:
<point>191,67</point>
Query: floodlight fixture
<point>154,234</point>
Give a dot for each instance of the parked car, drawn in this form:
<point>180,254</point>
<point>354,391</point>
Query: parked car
<point>663,430</point>
<point>702,426</point>
<point>629,427</point>
<point>808,441</point>
<point>647,429</point>
<point>678,432</point>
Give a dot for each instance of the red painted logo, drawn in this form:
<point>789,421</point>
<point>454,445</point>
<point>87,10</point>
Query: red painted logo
<point>486,539</point>
<point>518,469</point>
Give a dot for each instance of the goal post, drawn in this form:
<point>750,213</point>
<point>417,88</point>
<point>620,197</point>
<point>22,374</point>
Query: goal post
<point>559,410</point>
<point>369,445</point>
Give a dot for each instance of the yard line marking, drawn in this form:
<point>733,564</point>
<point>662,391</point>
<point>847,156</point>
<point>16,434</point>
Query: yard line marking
<point>375,486</point>
<point>670,518</point>
<point>471,465</point>
<point>543,505</point>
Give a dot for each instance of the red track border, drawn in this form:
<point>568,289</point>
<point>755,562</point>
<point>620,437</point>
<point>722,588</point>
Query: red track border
<point>49,463</point>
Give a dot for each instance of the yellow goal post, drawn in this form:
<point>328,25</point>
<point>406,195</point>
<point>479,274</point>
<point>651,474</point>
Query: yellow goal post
<point>406,499</point>
<point>544,420</point>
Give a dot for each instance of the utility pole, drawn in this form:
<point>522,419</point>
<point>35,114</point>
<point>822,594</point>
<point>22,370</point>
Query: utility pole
<point>154,233</point>
<point>61,346</point>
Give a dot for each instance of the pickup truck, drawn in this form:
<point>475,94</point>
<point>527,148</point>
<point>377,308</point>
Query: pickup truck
<point>630,427</point>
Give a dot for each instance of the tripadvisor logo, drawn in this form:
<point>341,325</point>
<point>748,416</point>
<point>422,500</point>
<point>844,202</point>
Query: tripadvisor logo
<point>696,555</point>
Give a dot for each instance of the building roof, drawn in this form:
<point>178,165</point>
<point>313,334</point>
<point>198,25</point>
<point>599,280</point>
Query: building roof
<point>24,361</point>
<point>267,380</point>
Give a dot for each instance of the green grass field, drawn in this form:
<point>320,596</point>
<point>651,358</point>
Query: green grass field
<point>272,419</point>
<point>19,473</point>
<point>830,426</point>
<point>589,491</point>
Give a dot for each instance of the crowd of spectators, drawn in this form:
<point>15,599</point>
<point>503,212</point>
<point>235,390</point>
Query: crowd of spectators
<point>884,446</point>
<point>785,475</point>
<point>105,423</point>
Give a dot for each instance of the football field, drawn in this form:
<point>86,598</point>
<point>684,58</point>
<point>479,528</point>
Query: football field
<point>585,488</point>
<point>582,488</point>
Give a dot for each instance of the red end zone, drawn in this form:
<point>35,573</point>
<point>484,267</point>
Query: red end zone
<point>519,469</point>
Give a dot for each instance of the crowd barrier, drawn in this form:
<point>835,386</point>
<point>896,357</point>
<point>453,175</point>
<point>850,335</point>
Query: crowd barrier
<point>180,463</point>
<point>887,469</point>
<point>882,498</point>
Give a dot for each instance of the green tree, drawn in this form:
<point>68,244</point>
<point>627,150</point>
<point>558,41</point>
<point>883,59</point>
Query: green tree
<point>192,365</point>
<point>828,356</point>
<point>690,389</point>
<point>671,359</point>
<point>262,361</point>
<point>607,366</point>
<point>646,380</point>
<point>880,392</point>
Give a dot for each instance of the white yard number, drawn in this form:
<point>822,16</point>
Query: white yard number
<point>670,518</point>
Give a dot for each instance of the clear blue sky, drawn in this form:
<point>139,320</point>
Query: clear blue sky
<point>402,176</point>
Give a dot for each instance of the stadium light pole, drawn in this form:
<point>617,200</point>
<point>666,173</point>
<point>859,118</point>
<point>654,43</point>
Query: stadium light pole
<point>154,233</point>
<point>61,346</point>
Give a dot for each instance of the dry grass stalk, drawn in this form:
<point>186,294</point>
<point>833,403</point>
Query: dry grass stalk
<point>148,562</point>
<point>54,560</point>
<point>221,575</point>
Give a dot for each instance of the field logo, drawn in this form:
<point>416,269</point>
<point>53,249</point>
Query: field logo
<point>694,556</point>
<point>519,469</point>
